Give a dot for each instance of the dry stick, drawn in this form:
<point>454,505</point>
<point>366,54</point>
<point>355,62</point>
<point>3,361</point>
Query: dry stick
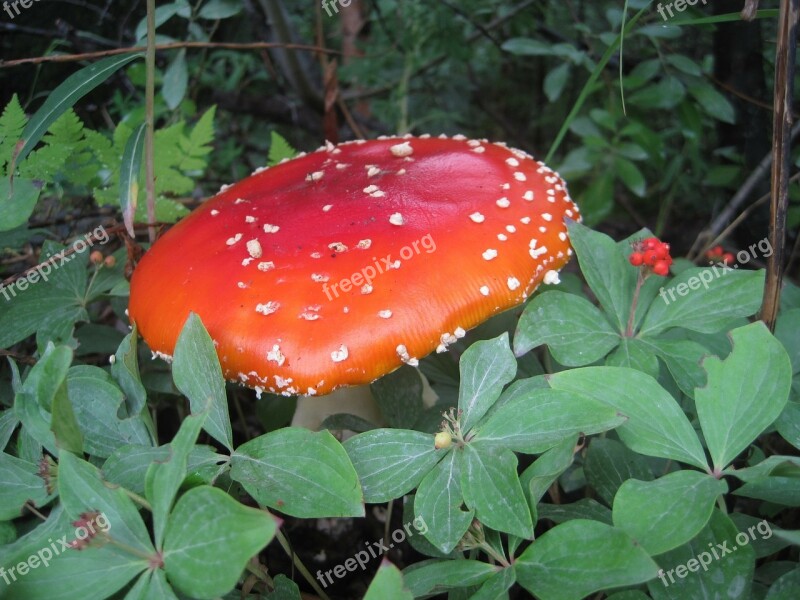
<point>781,148</point>
<point>103,53</point>
<point>149,119</point>
<point>718,224</point>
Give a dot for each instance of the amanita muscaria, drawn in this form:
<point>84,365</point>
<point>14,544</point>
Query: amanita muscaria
<point>336,267</point>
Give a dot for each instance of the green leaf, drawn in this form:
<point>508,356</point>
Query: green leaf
<point>634,354</point>
<point>788,424</point>
<point>285,589</point>
<point>663,514</point>
<point>575,331</point>
<point>486,367</point>
<point>711,565</point>
<point>580,557</point>
<point>163,478</point>
<point>17,202</point>
<point>151,584</point>
<point>608,464</point>
<point>72,89</point>
<point>745,393</point>
<point>220,9</point>
<point>198,376</point>
<point>713,103</point>
<point>65,426</point>
<point>176,80</point>
<point>785,587</point>
<point>125,370</point>
<point>12,122</point>
<point>388,584</point>
<point>299,472</point>
<point>786,331</point>
<point>666,94</point>
<point>399,396</point>
<point>555,81</point>
<point>606,270</point>
<point>538,478</point>
<point>585,508</point>
<point>230,536</point>
<point>97,411</point>
<point>497,586</point>
<point>656,425</point>
<point>279,149</point>
<point>82,489</point>
<point>390,463</point>
<point>438,503</point>
<point>21,484</point>
<point>129,176</point>
<point>683,359</point>
<point>491,487</point>
<point>435,576</point>
<point>537,421</point>
<point>631,176</point>
<point>705,300</point>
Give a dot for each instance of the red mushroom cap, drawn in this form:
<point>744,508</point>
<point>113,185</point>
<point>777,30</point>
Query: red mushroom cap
<point>336,267</point>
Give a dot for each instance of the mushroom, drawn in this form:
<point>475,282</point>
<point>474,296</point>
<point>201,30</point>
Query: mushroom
<point>338,266</point>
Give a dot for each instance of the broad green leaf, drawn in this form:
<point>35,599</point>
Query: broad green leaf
<point>490,486</point>
<point>198,376</point>
<point>745,393</point>
<point>163,478</point>
<point>285,589</point>
<point>656,425</point>
<point>585,508</point>
<point>57,525</point>
<point>608,464</point>
<point>8,423</point>
<point>555,81</point>
<point>538,478</point>
<point>17,202</point>
<point>712,565</point>
<point>633,354</point>
<point>666,94</point>
<point>388,584</point>
<point>631,176</point>
<point>82,489</point>
<point>299,472</point>
<point>778,489</point>
<point>683,360</point>
<point>663,514</point>
<point>65,426</point>
<point>537,421</point>
<point>98,403</point>
<point>21,484</point>
<point>788,424</point>
<point>705,300</point>
<point>34,401</point>
<point>220,9</point>
<point>129,176</point>
<point>91,574</point>
<point>399,396</point>
<point>497,586</point>
<point>486,367</point>
<point>151,584</point>
<point>438,503</point>
<point>606,270</point>
<point>713,103</point>
<point>786,331</point>
<point>176,79</point>
<point>434,576</point>
<point>125,370</point>
<point>580,557</point>
<point>785,588</point>
<point>764,537</point>
<point>575,331</point>
<point>72,89</point>
<point>230,536</point>
<point>391,462</point>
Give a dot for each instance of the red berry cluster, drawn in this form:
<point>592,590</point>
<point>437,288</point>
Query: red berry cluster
<point>717,255</point>
<point>652,254</point>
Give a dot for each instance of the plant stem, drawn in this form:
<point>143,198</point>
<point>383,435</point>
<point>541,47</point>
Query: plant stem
<point>149,109</point>
<point>632,316</point>
<point>299,564</point>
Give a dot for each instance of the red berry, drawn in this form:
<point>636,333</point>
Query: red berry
<point>650,257</point>
<point>636,259</point>
<point>661,268</point>
<point>662,251</point>
<point>716,251</point>
<point>650,243</point>
<point>728,258</point>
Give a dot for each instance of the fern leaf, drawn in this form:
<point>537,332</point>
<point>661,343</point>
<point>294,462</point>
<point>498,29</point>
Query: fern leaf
<point>279,149</point>
<point>12,122</point>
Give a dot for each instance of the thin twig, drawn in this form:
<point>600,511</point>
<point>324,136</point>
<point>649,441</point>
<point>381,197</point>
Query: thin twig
<point>103,53</point>
<point>781,149</point>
